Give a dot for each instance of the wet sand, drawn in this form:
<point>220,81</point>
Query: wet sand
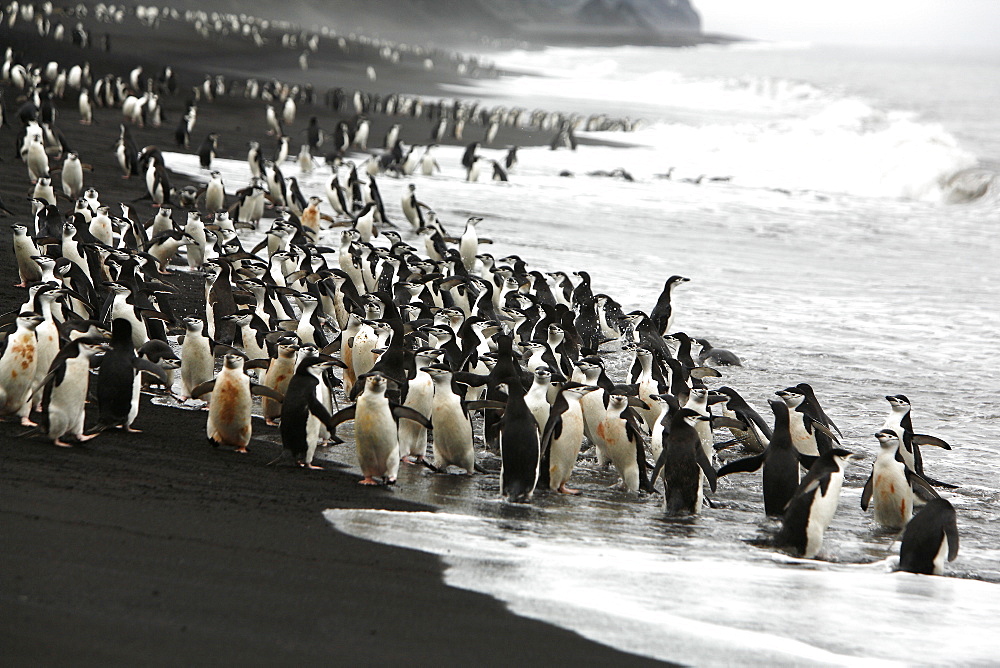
<point>155,548</point>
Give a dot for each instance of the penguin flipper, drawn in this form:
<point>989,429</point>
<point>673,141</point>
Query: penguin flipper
<point>807,460</point>
<point>951,533</point>
<point>265,391</point>
<point>660,462</point>
<point>411,414</point>
<point>720,421</point>
<point>924,439</point>
<point>485,404</point>
<point>706,466</point>
<point>257,364</point>
<point>203,388</point>
<point>705,372</point>
<point>921,487</point>
<point>866,494</point>
<point>814,424</point>
<point>140,364</point>
<point>743,465</point>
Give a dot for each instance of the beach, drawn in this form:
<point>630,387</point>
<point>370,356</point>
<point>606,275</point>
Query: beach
<point>837,224</point>
<point>157,549</point>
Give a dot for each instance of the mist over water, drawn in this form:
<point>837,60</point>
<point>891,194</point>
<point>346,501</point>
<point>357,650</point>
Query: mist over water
<point>837,254</point>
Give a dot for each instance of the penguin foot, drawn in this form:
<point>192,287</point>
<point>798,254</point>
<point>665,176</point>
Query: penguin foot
<point>128,428</point>
<point>26,422</point>
<point>368,481</point>
<point>242,450</point>
<point>310,465</point>
<point>269,422</point>
<point>563,489</point>
<point>83,438</point>
<point>62,444</point>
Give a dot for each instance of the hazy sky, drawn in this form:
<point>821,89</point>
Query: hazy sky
<point>963,23</point>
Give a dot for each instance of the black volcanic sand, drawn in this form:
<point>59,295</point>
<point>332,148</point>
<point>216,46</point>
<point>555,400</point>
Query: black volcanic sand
<point>154,548</point>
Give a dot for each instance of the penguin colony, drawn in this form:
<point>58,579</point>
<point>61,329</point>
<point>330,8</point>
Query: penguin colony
<point>416,335</point>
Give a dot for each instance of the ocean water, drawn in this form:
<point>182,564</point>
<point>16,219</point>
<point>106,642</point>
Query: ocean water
<point>852,247</point>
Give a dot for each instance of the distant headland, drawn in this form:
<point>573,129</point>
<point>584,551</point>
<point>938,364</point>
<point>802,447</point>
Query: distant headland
<point>500,23</point>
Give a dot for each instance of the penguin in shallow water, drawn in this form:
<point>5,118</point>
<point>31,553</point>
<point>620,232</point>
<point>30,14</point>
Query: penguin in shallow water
<point>563,435</point>
<point>812,508</point>
<point>662,314</point>
<point>891,485</point>
<point>930,537</point>
<point>376,434</point>
<point>450,419</point>
<point>520,453</point>
<point>780,461</point>
<point>683,463</point>
<point>909,451</point>
<point>712,356</point>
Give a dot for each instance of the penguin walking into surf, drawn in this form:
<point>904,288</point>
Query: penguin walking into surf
<point>891,486</point>
<point>451,422</point>
<point>899,420</point>
<point>520,453</point>
<point>930,537</point>
<point>780,461</point>
<point>662,314</point>
<point>815,502</point>
<point>229,416</point>
<point>683,463</point>
<point>563,435</point>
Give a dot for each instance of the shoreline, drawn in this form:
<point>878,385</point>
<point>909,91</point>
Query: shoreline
<point>157,549</point>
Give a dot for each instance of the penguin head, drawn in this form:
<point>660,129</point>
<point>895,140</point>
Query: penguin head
<point>888,438</point>
<point>791,396</point>
<point>193,324</point>
<point>898,402</point>
<point>29,320</point>
<point>233,361</point>
<point>691,416</point>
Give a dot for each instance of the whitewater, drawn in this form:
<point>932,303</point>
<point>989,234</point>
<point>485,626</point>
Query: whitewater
<point>843,233</point>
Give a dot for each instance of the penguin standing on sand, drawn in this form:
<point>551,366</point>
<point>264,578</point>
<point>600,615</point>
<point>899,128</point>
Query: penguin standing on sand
<point>229,421</point>
<point>815,502</point>
<point>17,368</point>
<point>302,412</point>
<point>64,396</point>
<point>207,150</point>
<point>930,536</point>
<point>118,380</point>
<point>279,374</point>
